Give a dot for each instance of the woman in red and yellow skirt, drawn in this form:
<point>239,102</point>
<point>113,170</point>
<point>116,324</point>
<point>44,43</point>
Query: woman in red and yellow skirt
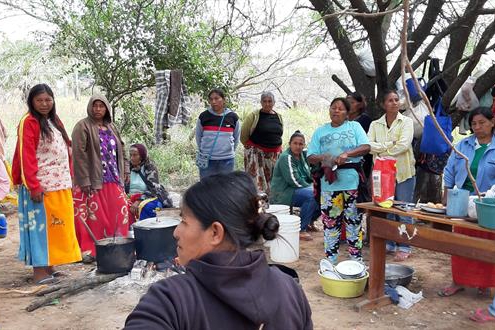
<point>100,170</point>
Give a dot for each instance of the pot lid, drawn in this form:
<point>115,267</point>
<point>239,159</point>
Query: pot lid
<point>157,222</point>
<point>114,241</point>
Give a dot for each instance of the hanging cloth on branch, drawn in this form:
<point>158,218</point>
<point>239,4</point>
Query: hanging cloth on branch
<point>172,101</point>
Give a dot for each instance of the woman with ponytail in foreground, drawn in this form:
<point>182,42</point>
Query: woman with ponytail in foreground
<point>225,286</point>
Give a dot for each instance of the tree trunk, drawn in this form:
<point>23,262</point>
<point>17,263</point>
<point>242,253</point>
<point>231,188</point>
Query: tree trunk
<point>485,82</point>
<point>361,82</point>
<point>486,37</point>
<point>459,38</point>
<point>419,35</point>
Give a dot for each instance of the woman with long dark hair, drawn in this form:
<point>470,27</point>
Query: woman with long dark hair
<point>41,166</point>
<point>225,285</point>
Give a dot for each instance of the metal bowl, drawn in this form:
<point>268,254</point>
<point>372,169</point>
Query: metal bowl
<point>397,274</point>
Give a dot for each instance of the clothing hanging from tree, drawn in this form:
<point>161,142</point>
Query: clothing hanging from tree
<point>172,102</point>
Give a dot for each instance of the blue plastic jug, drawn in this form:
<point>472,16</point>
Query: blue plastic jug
<point>457,202</point>
<point>3,226</point>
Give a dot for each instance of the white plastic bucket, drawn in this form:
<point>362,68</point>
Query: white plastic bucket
<point>278,209</point>
<point>286,247</point>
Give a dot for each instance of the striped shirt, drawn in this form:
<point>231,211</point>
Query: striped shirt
<point>207,128</point>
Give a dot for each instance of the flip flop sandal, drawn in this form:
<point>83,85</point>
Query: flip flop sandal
<point>313,228</point>
<point>304,236</point>
<point>48,280</point>
<point>482,316</point>
<point>60,273</point>
<point>88,259</point>
<point>450,291</point>
<point>401,256</point>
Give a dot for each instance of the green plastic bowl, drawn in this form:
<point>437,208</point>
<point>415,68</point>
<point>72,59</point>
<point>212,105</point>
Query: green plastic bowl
<point>485,209</point>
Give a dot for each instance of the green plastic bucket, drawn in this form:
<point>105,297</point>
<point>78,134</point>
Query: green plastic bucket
<point>486,212</point>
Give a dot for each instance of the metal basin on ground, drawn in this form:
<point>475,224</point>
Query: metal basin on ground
<point>397,274</point>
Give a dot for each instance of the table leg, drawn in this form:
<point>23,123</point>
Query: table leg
<point>376,282</point>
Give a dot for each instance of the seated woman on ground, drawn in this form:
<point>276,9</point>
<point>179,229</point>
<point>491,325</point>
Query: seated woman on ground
<point>146,192</point>
<point>480,149</point>
<point>292,184</point>
<point>223,281</point>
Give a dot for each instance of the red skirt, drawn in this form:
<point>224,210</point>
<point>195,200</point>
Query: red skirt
<point>469,272</point>
<point>105,211</point>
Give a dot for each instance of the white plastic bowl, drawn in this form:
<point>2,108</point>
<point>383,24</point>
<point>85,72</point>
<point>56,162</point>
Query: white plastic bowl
<point>350,268</point>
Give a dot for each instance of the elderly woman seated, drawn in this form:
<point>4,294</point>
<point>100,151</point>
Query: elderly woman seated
<point>144,188</point>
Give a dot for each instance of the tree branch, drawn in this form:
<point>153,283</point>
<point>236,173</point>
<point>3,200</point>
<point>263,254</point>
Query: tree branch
<point>419,35</point>
<point>470,65</point>
<point>359,79</point>
<point>458,44</point>
<point>353,12</point>
<point>485,82</point>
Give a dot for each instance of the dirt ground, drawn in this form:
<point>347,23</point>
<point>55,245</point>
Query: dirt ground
<point>107,306</point>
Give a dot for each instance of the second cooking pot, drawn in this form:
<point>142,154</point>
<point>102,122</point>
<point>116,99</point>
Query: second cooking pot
<point>154,239</point>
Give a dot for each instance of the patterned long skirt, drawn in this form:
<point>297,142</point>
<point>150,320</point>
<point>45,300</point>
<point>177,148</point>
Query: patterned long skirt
<point>46,229</point>
<point>337,208</point>
<point>259,164</point>
<point>106,212</point>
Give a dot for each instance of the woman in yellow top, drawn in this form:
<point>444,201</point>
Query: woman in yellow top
<point>391,135</point>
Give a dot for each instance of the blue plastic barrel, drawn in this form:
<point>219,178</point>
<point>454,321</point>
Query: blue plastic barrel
<point>3,226</point>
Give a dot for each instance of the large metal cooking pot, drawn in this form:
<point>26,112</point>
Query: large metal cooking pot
<point>115,255</point>
<point>396,274</point>
<point>154,238</point>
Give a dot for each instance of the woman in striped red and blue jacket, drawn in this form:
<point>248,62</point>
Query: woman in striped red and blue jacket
<point>217,136</point>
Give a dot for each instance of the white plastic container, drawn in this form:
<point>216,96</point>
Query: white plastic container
<point>285,248</point>
<point>278,209</point>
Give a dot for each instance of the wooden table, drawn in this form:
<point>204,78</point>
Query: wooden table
<point>382,229</point>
